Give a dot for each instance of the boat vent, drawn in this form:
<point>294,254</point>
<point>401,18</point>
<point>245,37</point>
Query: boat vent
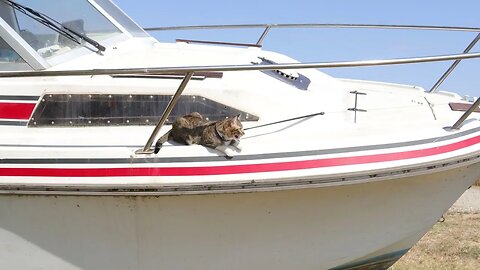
<point>64,110</point>
<point>291,77</point>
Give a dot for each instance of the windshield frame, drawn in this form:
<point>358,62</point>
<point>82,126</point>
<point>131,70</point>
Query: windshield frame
<point>127,29</point>
<point>21,47</point>
<point>119,18</point>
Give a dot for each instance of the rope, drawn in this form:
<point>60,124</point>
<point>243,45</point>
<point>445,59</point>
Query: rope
<point>286,120</point>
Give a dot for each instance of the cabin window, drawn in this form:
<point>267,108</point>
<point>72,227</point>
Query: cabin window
<point>123,110</point>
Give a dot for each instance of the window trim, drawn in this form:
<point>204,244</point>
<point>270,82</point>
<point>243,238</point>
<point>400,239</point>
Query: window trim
<point>21,47</point>
<point>118,18</point>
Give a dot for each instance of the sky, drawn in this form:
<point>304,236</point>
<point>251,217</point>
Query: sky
<point>326,45</point>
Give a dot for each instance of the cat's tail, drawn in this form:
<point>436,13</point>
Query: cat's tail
<point>161,141</point>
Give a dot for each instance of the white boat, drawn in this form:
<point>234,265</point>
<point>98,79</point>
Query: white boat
<point>333,173</point>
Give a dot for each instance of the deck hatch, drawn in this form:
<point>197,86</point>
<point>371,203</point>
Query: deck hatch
<point>56,110</point>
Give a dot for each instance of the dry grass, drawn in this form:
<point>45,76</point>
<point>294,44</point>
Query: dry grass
<point>477,183</point>
<point>453,244</point>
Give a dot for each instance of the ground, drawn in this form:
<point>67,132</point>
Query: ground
<point>451,244</point>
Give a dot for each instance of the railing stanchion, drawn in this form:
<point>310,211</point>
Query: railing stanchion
<point>466,114</point>
<point>147,148</point>
<point>454,65</point>
<point>264,34</point>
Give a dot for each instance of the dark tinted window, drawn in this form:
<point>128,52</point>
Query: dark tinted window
<point>104,110</point>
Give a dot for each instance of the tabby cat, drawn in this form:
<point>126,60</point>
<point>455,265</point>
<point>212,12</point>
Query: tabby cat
<point>194,129</point>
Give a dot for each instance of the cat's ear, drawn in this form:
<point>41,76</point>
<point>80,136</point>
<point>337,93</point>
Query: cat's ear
<point>238,116</point>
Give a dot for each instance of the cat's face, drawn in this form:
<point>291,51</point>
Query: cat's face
<point>232,128</point>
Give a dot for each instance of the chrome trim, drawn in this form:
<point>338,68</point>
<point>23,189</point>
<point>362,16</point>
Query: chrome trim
<point>316,25</point>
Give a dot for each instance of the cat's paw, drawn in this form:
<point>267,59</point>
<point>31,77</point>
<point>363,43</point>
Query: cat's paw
<point>226,150</point>
<point>236,144</point>
<point>229,152</point>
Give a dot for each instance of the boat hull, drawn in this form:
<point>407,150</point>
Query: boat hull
<point>307,228</point>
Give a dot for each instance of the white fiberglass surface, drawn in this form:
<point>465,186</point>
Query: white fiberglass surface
<point>78,15</point>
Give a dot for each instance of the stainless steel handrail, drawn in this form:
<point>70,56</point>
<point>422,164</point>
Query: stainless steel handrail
<point>147,148</point>
<point>189,70</point>
<point>264,35</point>
<point>267,28</point>
<point>314,25</point>
<point>454,65</point>
<point>466,114</point>
<point>223,68</point>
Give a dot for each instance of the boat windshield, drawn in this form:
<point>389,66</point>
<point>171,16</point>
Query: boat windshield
<point>9,59</point>
<point>73,16</point>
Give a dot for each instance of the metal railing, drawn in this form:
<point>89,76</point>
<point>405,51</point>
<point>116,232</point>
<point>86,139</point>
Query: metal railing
<point>147,148</point>
<point>454,65</point>
<point>188,71</point>
<point>224,68</point>
<point>466,114</point>
<point>268,27</point>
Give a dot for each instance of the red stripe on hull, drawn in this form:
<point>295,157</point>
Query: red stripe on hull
<point>19,111</point>
<point>237,169</point>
